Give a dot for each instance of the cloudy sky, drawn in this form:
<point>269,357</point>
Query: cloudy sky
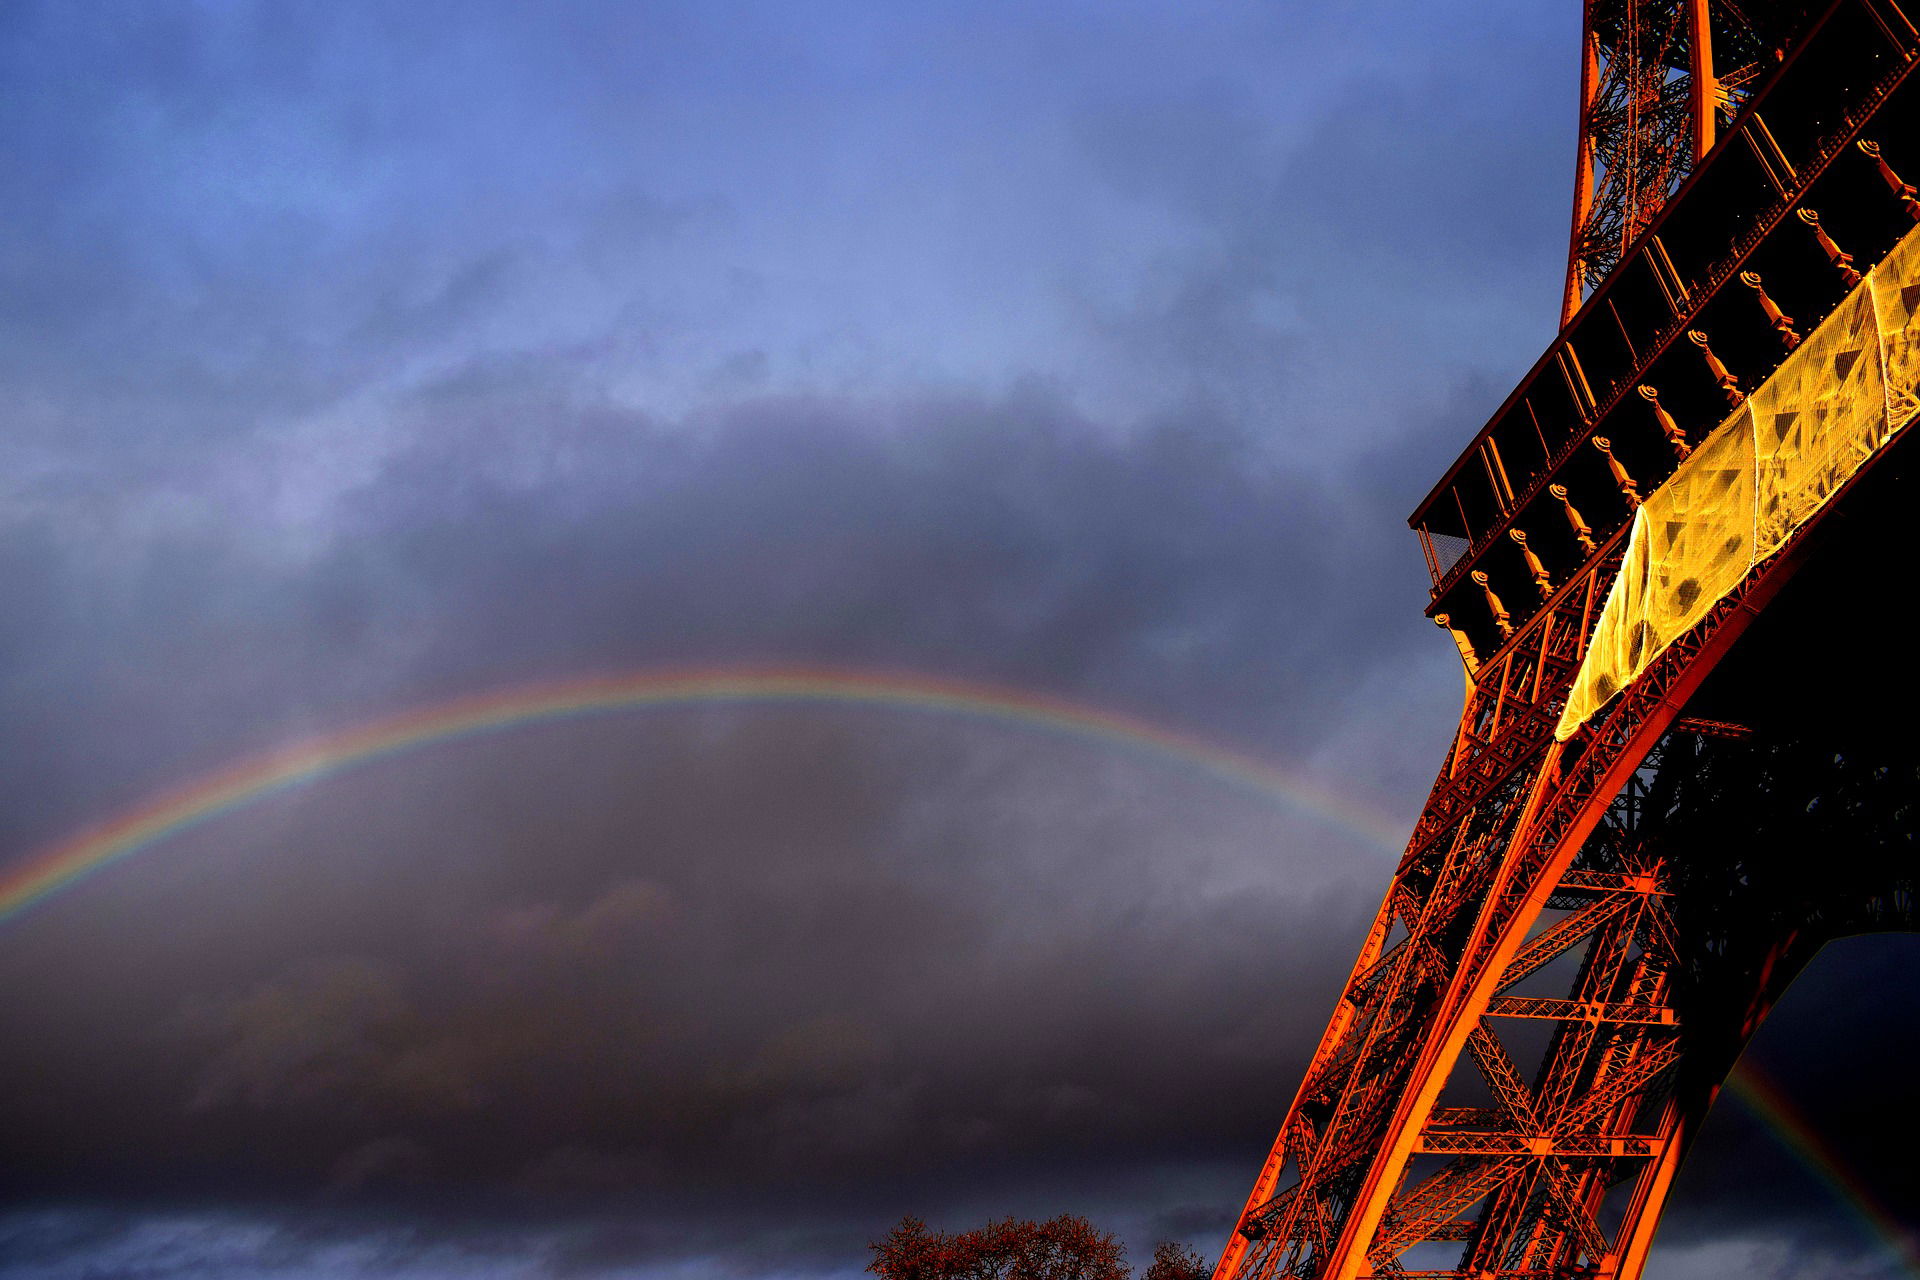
<point>359,356</point>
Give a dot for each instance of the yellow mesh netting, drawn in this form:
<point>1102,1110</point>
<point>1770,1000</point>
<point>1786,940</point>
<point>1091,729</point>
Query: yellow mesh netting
<point>1820,416</point>
<point>1761,475</point>
<point>1896,301</point>
<point>1618,650</point>
<point>1698,528</point>
<point>1691,543</point>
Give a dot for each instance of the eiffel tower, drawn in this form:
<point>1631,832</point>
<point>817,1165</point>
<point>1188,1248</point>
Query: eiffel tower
<point>1684,762</point>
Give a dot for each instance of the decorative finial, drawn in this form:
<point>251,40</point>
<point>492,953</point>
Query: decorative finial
<point>1668,427</point>
<point>1722,377</point>
<point>1782,323</point>
<point>1542,582</point>
<point>1902,191</point>
<point>1501,620</point>
<point>1842,260</point>
<point>1628,489</point>
<point>1461,642</point>
<point>1581,532</point>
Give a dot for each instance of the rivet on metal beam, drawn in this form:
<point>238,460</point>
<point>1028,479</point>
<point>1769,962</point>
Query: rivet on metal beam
<point>1668,427</point>
<point>1542,581</point>
<point>1501,619</point>
<point>1467,655</point>
<point>1781,322</point>
<point>1722,376</point>
<point>1902,191</point>
<point>1628,489</point>
<point>1842,260</point>
<point>1582,532</point>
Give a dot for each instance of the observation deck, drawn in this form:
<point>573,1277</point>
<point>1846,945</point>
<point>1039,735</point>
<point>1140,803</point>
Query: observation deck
<point>1808,188</point>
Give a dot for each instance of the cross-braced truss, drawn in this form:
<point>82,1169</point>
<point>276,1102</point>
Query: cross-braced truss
<point>1589,900</point>
<point>1582,935</point>
<point>1659,81</point>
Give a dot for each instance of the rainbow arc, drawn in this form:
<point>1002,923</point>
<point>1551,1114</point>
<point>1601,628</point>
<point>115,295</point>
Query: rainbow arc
<point>45,874</point>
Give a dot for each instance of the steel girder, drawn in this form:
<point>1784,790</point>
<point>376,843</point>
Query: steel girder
<point>1563,896</point>
<point>1539,859</point>
<point>1659,79</point>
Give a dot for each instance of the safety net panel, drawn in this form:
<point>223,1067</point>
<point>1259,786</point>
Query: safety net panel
<point>1816,420</point>
<point>1691,543</point>
<point>1896,303</point>
<point>1759,477</point>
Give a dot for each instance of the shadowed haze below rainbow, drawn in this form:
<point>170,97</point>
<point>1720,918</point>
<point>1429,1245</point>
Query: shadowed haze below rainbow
<point>1758,1093</point>
<point>45,874</point>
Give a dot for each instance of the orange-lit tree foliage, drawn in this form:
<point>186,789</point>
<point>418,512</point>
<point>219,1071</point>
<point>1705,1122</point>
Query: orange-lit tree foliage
<point>1065,1248</point>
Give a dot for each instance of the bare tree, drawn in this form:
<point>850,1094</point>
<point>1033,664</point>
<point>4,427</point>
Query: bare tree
<point>1067,1248</point>
<point>1176,1262</point>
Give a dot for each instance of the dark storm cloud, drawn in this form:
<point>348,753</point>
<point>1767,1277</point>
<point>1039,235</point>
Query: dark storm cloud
<point>1830,1050</point>
<point>775,960</point>
<point>1010,540</point>
<point>729,976</point>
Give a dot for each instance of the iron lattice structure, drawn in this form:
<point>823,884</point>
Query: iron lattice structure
<point>1582,935</point>
<point>1658,80</point>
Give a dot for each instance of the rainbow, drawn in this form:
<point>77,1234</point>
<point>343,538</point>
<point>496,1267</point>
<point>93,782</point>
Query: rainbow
<point>1783,1120</point>
<point>41,875</point>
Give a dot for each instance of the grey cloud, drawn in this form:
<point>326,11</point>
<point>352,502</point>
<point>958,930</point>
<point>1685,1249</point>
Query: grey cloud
<point>820,1001</point>
<point>299,1038</point>
<point>1011,540</point>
